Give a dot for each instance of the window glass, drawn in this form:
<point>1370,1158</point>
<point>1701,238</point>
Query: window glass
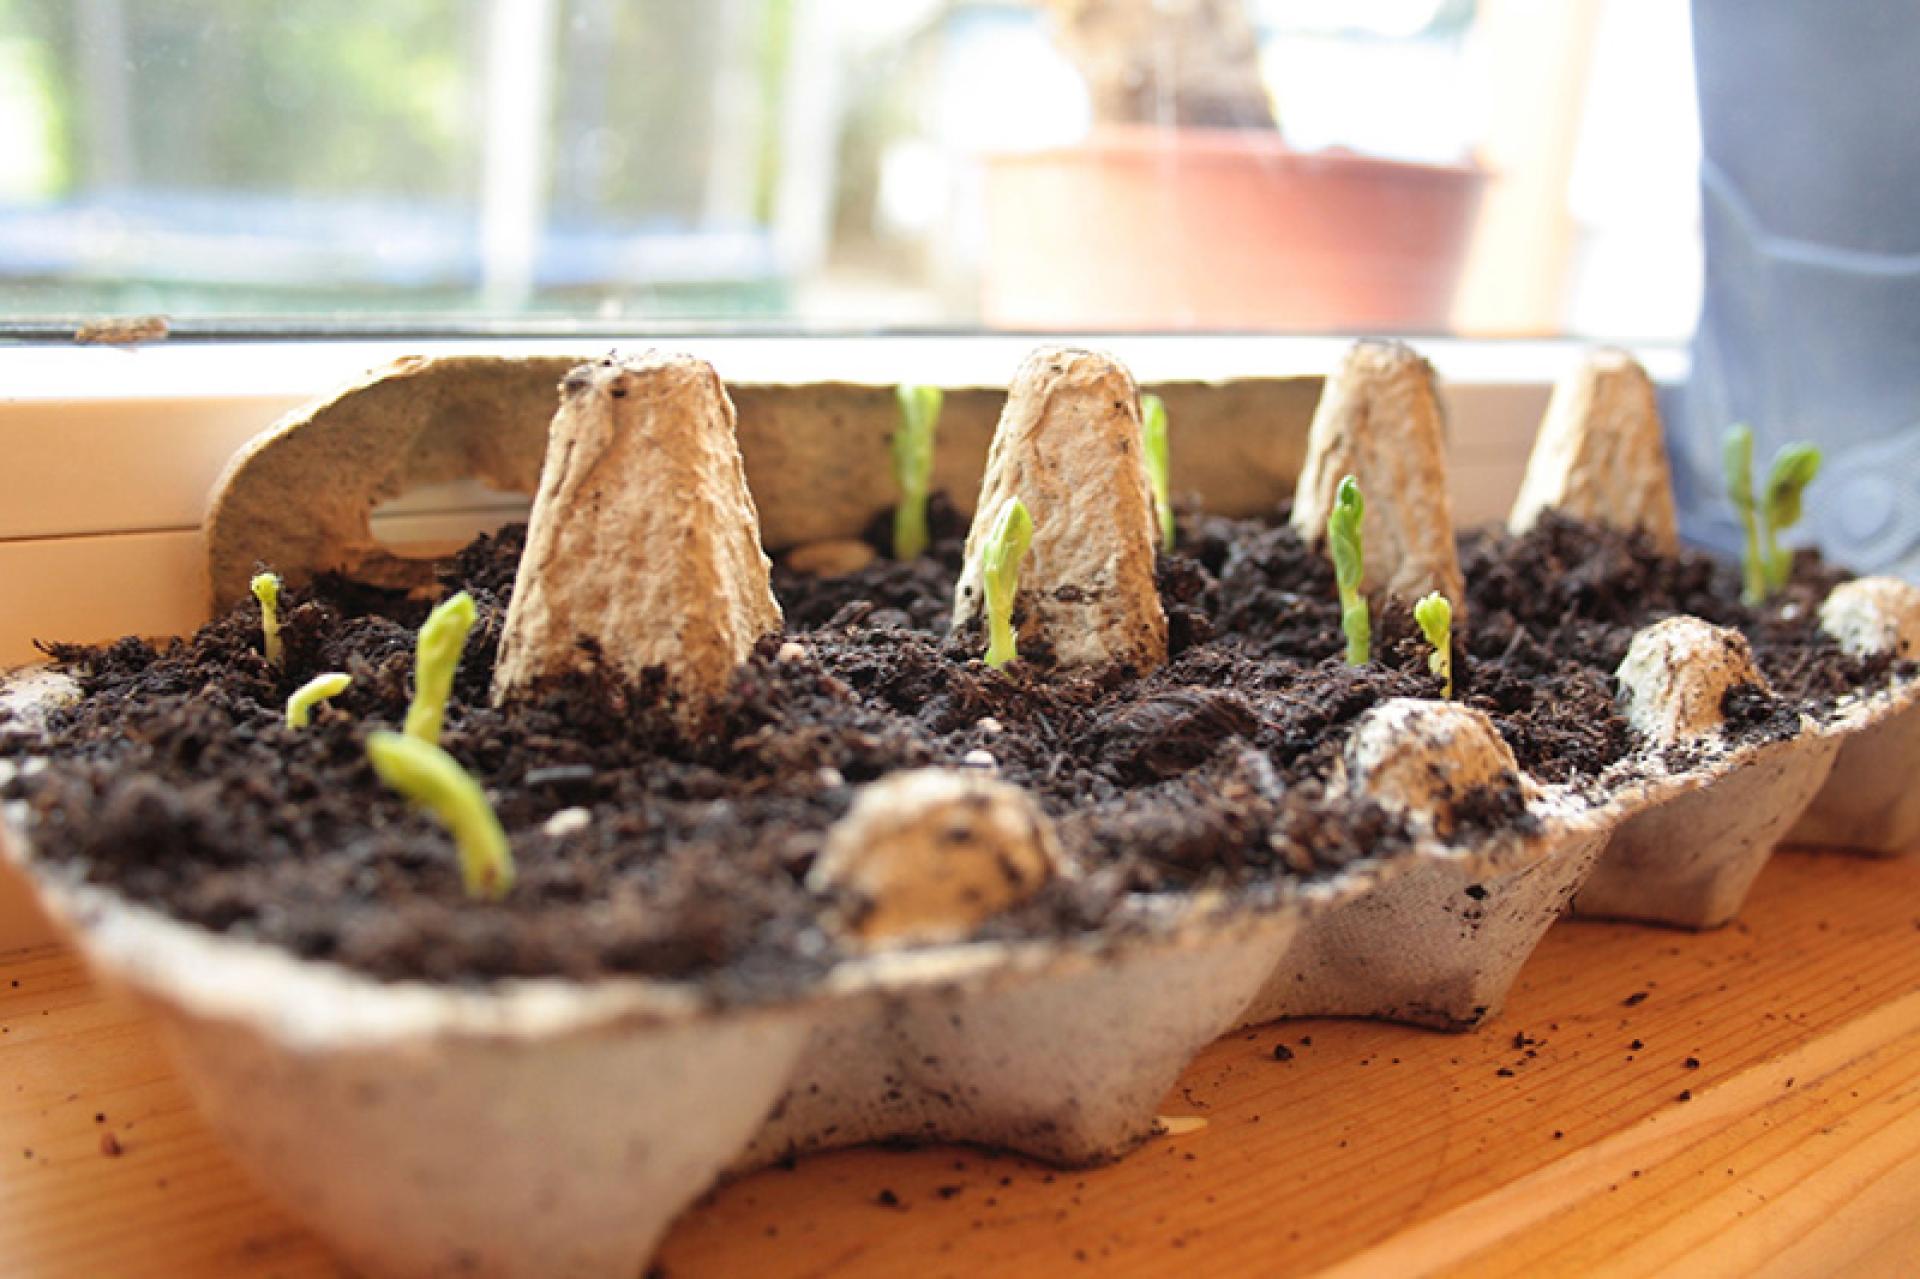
<point>1471,166</point>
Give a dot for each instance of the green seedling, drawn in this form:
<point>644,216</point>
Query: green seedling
<point>432,779</point>
<point>436,657</point>
<point>1153,432</point>
<point>266,589</point>
<point>1737,456</point>
<point>1007,543</point>
<point>312,693</point>
<point>913,467</point>
<point>1435,617</point>
<point>1349,566</point>
<point>1794,467</point>
<point>1766,565</point>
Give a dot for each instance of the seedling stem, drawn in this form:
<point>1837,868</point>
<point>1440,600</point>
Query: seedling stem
<point>266,589</point>
<point>431,778</point>
<point>310,694</point>
<point>913,467</point>
<point>1435,617</point>
<point>436,658</point>
<point>1766,565</point>
<point>1349,567</point>
<point>1153,432</point>
<point>1007,544</point>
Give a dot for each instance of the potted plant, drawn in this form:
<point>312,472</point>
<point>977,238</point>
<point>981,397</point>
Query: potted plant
<point>1186,180</point>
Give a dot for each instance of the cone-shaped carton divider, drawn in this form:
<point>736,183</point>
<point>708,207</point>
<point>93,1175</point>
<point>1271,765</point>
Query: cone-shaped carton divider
<point>1068,446</point>
<point>644,546</point>
<point>1379,421</point>
<point>1601,454</point>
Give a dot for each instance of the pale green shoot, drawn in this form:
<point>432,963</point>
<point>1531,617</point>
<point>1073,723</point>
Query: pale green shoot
<point>436,658</point>
<point>432,779</point>
<point>1794,467</point>
<point>312,693</point>
<point>1349,567</point>
<point>266,589</point>
<point>1736,454</point>
<point>1765,564</point>
<point>1435,618</point>
<point>1153,433</point>
<point>913,467</point>
<point>1007,542</point>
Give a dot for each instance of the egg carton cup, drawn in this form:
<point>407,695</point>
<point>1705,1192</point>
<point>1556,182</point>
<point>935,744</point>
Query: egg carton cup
<point>1439,941</point>
<point>1693,843</point>
<point>1688,858</point>
<point>1870,802</point>
<point>1064,1061</point>
<point>539,1128</point>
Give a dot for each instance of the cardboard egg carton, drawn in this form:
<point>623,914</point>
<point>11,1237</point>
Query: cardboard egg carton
<point>546,1127</point>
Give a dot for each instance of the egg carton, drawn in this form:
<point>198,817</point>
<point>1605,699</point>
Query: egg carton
<point>1842,782</point>
<point>543,1127</point>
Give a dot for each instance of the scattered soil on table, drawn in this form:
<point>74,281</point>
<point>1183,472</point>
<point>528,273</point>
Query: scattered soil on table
<point>174,780</point>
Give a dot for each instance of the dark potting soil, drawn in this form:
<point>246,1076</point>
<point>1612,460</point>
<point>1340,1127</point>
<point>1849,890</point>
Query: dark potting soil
<point>888,594</point>
<point>1581,590</point>
<point>174,781</point>
<point>1556,712</point>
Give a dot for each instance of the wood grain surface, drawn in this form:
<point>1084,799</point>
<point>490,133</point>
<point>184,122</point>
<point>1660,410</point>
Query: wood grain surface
<point>1744,1102</point>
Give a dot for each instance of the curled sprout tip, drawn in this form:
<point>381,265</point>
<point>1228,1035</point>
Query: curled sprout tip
<point>436,658</point>
<point>1794,467</point>
<point>1434,615</point>
<point>431,778</point>
<point>266,589</point>
<point>312,693</point>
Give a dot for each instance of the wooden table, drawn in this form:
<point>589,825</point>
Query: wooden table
<point>1746,1102</point>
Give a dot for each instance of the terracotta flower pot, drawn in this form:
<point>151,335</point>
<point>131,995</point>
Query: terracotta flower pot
<point>1144,228</point>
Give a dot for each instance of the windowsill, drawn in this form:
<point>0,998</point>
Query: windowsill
<point>212,369</point>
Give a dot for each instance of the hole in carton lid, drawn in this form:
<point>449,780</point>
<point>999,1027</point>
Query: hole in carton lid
<point>435,520</point>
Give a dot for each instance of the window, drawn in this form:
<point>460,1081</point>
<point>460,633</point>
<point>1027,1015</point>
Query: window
<point>1471,166</point>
